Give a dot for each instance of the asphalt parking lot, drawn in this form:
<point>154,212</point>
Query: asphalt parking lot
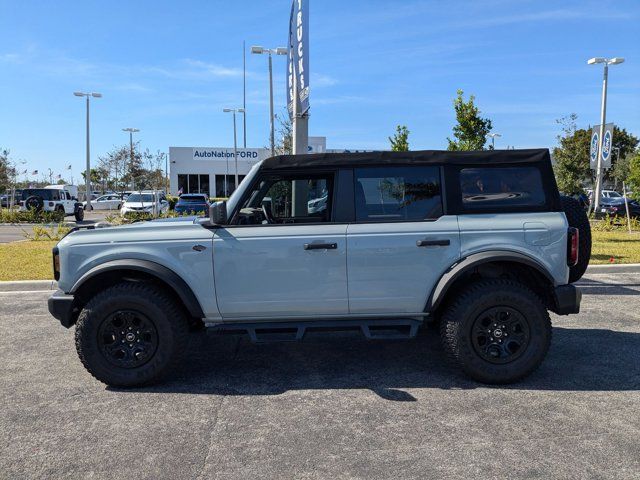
<point>330,407</point>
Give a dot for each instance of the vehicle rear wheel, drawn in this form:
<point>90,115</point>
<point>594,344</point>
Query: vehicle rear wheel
<point>577,218</point>
<point>131,334</point>
<point>496,331</point>
<point>79,214</point>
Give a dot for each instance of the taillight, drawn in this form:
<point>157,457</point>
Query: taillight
<point>572,246</point>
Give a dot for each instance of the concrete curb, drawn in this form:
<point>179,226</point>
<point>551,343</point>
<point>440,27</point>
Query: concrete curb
<point>614,268</point>
<point>28,286</point>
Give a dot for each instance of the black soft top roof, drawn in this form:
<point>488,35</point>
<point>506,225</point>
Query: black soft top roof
<point>482,157</point>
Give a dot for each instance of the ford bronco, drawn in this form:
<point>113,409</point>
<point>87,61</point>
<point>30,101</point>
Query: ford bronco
<point>480,244</point>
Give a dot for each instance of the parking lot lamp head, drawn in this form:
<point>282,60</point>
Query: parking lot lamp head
<point>616,60</point>
<point>595,60</point>
<point>257,50</point>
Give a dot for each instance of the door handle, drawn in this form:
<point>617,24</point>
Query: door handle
<point>320,246</point>
<point>433,243</point>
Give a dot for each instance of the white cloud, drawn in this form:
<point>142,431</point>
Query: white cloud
<point>212,69</point>
<point>319,80</point>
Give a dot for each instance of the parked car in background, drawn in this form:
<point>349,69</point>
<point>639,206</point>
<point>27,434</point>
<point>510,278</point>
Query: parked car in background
<point>605,194</point>
<point>106,202</point>
<point>5,199</point>
<point>615,207</point>
<point>193,203</point>
<point>53,198</point>
<point>144,202</point>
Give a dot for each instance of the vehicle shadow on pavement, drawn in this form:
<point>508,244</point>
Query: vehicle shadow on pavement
<point>579,360</point>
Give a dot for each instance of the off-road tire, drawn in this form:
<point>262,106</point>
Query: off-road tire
<point>79,214</point>
<point>577,218</point>
<point>166,316</point>
<point>457,326</point>
<point>34,203</point>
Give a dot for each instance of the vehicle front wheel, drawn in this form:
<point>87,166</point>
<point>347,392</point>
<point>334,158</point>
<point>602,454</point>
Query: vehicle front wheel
<point>131,334</point>
<point>79,214</point>
<point>496,331</point>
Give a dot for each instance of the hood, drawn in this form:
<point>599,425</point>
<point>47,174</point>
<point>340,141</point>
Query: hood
<point>149,231</point>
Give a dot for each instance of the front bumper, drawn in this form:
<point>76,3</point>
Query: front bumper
<point>567,299</point>
<point>61,306</point>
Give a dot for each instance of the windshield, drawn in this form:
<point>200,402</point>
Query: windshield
<point>613,194</point>
<point>192,199</point>
<point>140,197</point>
<point>238,192</point>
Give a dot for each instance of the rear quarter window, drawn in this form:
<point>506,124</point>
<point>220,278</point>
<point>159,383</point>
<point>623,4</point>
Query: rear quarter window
<point>486,188</point>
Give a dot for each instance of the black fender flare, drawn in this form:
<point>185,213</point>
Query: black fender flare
<point>462,266</point>
<point>162,273</point>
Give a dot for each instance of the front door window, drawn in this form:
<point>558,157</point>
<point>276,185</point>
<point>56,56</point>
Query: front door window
<point>288,199</point>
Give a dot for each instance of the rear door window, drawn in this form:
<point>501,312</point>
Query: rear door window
<point>488,187</point>
<point>397,194</point>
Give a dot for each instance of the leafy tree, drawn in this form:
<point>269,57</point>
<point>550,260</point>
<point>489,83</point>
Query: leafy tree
<point>634,174</point>
<point>284,135</point>
<point>400,141</point>
<point>624,143</point>
<point>471,130</point>
<point>4,169</point>
<point>572,156</point>
<point>96,176</point>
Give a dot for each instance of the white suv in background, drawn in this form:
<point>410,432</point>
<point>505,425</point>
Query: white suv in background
<point>147,201</point>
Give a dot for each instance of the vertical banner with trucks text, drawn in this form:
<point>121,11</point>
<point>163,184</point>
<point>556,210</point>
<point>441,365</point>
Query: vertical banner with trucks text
<point>607,146</point>
<point>298,57</point>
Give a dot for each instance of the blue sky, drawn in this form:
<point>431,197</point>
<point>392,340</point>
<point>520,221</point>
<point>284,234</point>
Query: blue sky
<point>169,68</point>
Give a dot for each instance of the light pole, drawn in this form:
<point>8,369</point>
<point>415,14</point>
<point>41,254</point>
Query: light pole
<point>603,117</point>
<point>493,139</point>
<point>131,132</point>
<point>87,174</point>
<point>270,51</point>
<point>235,139</point>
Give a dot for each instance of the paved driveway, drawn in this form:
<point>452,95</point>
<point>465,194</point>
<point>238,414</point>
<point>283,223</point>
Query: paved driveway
<point>331,407</point>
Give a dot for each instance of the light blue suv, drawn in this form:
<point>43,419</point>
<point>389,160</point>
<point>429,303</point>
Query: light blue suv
<point>480,243</point>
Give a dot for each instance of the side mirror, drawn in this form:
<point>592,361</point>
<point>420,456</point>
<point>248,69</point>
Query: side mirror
<point>218,213</point>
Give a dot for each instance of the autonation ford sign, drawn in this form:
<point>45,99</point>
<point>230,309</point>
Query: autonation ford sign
<point>254,154</point>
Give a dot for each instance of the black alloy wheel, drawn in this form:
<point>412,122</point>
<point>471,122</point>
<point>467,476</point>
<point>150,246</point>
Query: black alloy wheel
<point>127,339</point>
<point>500,335</point>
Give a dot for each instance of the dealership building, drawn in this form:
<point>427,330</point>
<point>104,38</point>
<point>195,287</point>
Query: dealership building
<point>205,169</point>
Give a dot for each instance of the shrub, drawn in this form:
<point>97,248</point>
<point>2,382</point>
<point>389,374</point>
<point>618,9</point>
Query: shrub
<point>613,223</point>
<point>30,216</point>
<point>42,233</point>
<point>172,201</point>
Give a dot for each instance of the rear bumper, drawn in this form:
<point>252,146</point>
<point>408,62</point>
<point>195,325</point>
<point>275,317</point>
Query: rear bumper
<point>567,299</point>
<point>62,308</point>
